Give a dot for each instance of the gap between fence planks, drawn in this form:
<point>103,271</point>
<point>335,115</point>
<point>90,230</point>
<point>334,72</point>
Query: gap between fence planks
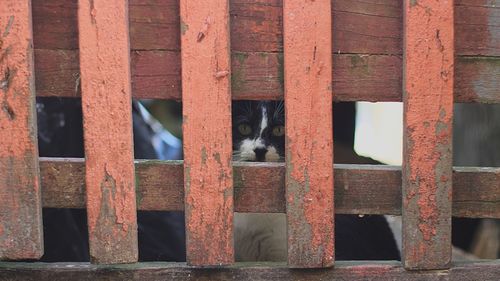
<point>427,138</point>
<point>107,123</point>
<point>206,102</point>
<point>260,187</point>
<point>21,234</point>
<point>309,143</point>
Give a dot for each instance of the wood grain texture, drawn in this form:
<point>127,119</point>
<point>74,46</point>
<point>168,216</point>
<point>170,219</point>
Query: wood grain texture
<point>309,151</point>
<point>362,27</point>
<point>260,187</point>
<point>369,271</point>
<point>206,102</point>
<point>427,137</point>
<point>107,123</point>
<point>259,76</point>
<point>20,196</point>
<point>367,45</point>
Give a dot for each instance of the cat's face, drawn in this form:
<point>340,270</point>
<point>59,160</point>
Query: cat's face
<point>258,131</point>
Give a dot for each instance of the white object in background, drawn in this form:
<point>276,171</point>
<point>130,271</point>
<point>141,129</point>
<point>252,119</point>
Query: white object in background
<point>379,131</point>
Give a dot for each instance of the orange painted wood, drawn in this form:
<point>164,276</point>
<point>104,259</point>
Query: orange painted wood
<point>106,102</point>
<point>428,112</point>
<point>309,143</point>
<point>20,196</point>
<point>206,74</point>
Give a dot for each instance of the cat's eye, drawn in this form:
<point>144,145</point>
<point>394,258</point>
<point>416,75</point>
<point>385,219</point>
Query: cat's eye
<point>244,129</point>
<point>279,131</point>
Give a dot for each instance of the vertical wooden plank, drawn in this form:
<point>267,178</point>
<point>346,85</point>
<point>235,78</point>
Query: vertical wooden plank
<point>20,197</point>
<point>309,149</point>
<point>206,97</point>
<point>106,101</point>
<point>428,110</point>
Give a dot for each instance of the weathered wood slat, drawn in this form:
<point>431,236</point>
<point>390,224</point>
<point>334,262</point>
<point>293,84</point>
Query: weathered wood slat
<point>157,74</point>
<point>206,102</point>
<point>107,122</point>
<point>20,196</point>
<point>309,151</point>
<point>371,26</point>
<point>427,138</point>
<point>381,271</point>
<point>361,189</point>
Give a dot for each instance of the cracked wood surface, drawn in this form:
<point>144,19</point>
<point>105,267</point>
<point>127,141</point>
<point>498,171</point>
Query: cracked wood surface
<point>20,196</point>
<point>206,102</point>
<point>427,137</point>
<point>107,124</point>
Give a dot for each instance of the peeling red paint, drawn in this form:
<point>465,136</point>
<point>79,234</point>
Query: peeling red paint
<point>207,132</point>
<point>428,98</point>
<point>308,99</point>
<point>20,197</point>
<point>106,102</point>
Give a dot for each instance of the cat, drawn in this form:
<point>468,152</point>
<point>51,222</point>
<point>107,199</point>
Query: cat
<point>258,131</point>
<point>259,136</point>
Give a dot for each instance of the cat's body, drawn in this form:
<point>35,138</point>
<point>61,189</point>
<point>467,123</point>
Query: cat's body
<point>258,135</point>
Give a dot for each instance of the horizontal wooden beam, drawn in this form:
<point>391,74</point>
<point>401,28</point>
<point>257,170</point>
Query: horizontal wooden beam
<point>260,187</point>
<point>369,26</point>
<point>367,38</point>
<point>259,76</point>
<point>343,270</point>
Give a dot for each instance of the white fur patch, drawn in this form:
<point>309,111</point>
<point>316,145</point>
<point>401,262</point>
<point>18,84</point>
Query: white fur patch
<point>247,148</point>
<point>272,154</point>
<point>263,122</point>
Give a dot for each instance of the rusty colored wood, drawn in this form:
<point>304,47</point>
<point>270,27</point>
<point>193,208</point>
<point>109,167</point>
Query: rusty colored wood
<point>428,115</point>
<point>309,151</point>
<point>107,122</point>
<point>344,270</point>
<point>260,187</point>
<point>206,101</point>
<point>20,196</point>
<point>371,26</point>
<point>259,76</point>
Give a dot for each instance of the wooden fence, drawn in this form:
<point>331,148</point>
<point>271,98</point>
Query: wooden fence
<point>425,53</point>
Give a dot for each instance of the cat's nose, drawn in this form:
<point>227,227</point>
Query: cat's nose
<point>260,154</point>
